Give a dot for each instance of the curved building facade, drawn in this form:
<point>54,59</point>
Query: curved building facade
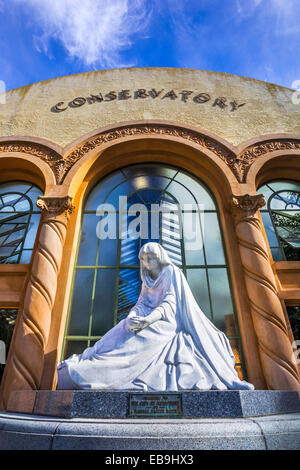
<point>83,153</point>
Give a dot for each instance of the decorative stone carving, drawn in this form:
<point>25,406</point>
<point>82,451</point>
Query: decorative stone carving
<point>239,164</point>
<point>248,156</point>
<point>56,205</point>
<point>269,322</point>
<point>246,206</point>
<point>24,371</point>
<point>173,131</point>
<point>52,158</point>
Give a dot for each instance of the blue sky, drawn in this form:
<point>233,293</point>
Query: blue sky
<point>42,39</point>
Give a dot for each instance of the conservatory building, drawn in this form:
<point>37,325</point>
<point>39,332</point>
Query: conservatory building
<point>96,164</point>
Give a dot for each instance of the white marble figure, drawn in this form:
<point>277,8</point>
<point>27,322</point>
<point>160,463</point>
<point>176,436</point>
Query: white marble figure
<point>166,343</point>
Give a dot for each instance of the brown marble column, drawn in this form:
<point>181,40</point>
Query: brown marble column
<point>24,367</point>
<point>276,353</point>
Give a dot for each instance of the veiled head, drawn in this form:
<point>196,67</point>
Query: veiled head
<point>153,258</point>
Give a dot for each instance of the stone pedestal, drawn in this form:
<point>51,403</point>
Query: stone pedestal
<point>103,420</point>
<point>137,404</point>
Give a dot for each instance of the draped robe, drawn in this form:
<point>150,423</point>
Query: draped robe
<point>183,350</point>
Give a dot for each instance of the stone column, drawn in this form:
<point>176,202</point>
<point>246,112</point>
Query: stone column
<point>24,368</point>
<point>276,353</point>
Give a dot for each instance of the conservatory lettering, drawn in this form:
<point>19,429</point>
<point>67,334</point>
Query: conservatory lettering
<point>183,96</point>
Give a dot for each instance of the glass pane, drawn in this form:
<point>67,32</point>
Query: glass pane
<point>18,186</point>
<point>128,291</point>
<point>200,192</point>
<point>6,250</point>
<point>171,236</point>
<point>284,185</point>
<point>182,194</point>
<point>32,229</point>
<point>10,260</point>
<point>101,190</point>
<point>198,283</point>
<point>104,303</point>
<point>193,239</point>
<point>221,296</point>
<point>146,196</point>
<point>14,238</point>
<point>288,228</point>
<point>108,247</point>
<point>122,190</point>
<point>212,239</point>
<point>285,200</point>
<point>130,252</point>
<point>269,228</point>
<point>89,240</point>
<point>167,203</point>
<point>111,196</point>
<point>11,199</point>
<point>75,347</point>
<point>267,191</point>
<point>25,257</point>
<point>15,227</point>
<point>108,250</point>
<point>149,170</point>
<point>140,183</point>
<point>277,254</point>
<point>33,195</point>
<point>136,225</point>
<point>81,302</point>
<point>24,205</point>
<point>173,248</point>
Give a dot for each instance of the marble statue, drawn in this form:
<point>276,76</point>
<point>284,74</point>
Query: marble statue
<point>166,343</point>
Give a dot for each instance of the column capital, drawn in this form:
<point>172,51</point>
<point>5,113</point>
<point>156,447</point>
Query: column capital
<point>245,206</point>
<point>56,205</point>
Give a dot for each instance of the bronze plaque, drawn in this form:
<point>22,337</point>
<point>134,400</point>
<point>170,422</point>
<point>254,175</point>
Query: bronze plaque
<point>155,405</point>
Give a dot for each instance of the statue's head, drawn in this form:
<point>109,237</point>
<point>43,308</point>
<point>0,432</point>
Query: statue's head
<point>153,258</point>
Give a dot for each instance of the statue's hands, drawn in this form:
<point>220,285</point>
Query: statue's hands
<point>136,323</point>
<point>131,320</point>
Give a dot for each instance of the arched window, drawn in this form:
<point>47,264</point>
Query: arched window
<point>146,203</point>
<point>281,218</point>
<point>19,220</point>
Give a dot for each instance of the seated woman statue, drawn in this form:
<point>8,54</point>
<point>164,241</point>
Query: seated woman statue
<point>166,343</point>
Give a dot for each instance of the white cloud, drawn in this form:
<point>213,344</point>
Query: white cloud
<point>284,13</point>
<point>93,31</point>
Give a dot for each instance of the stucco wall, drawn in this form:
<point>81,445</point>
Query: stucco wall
<point>268,108</point>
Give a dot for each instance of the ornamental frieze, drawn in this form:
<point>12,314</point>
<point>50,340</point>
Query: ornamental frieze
<point>248,156</point>
<point>239,164</point>
<point>52,158</point>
